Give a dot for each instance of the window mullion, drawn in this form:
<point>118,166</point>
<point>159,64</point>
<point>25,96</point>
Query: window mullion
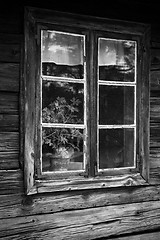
<point>93,103</point>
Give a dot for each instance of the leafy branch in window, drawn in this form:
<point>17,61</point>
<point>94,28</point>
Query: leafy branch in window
<point>61,111</point>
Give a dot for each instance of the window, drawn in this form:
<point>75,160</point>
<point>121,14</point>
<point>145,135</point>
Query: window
<point>86,102</point>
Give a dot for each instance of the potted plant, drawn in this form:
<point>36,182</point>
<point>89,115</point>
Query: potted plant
<point>61,144</point>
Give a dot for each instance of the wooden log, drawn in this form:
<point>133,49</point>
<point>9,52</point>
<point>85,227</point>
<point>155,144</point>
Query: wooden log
<point>85,224</point>
<point>9,160</point>
<point>7,38</point>
<point>155,59</point>
<point>11,181</point>
<point>9,142</point>
<point>142,236</point>
<point>11,23</point>
<point>17,205</point>
<point>10,53</point>
<point>9,123</point>
<point>9,77</point>
<point>9,103</point>
<point>155,80</point>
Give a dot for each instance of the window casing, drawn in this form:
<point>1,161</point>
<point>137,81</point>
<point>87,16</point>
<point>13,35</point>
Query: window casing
<point>88,92</point>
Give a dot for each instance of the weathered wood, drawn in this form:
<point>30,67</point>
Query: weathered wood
<point>17,205</point>
<point>29,102</point>
<point>155,80</point>
<point>9,77</point>
<point>69,19</point>
<point>9,160</point>
<point>9,123</point>
<point>10,22</point>
<point>11,181</point>
<point>9,142</point>
<point>10,53</point>
<point>143,236</point>
<point>85,224</point>
<point>155,58</point>
<point>7,38</point>
<point>48,185</point>
<point>9,103</point>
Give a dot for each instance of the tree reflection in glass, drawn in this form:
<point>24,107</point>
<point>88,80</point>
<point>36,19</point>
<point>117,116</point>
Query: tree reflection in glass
<point>116,60</point>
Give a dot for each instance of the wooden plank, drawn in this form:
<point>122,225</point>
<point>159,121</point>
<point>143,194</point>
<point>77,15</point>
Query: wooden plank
<point>9,77</point>
<point>21,205</point>
<point>154,137</point>
<point>143,236</point>
<point>7,38</point>
<point>47,236</point>
<point>9,103</point>
<point>89,22</point>
<point>30,102</point>
<point>155,80</point>
<point>9,160</point>
<point>9,123</point>
<point>11,23</point>
<point>85,224</point>
<point>11,182</point>
<point>9,142</point>
<point>155,58</point>
<point>10,53</point>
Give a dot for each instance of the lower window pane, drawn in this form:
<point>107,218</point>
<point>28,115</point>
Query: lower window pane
<point>62,149</point>
<point>116,148</point>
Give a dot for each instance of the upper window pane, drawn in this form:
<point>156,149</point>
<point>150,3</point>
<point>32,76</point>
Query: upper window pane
<point>62,54</point>
<point>116,60</point>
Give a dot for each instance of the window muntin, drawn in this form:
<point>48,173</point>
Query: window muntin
<point>63,114</point>
<point>116,104</point>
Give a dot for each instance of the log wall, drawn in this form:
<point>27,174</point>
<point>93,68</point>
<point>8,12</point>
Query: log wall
<point>128,213</point>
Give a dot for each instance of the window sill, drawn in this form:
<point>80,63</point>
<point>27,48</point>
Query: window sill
<point>42,186</point>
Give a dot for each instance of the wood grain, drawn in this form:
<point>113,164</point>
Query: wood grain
<point>11,181</point>
<point>9,160</point>
<point>9,103</point>
<point>9,53</point>
<point>9,123</point>
<point>20,205</point>
<point>85,224</point>
<point>9,77</point>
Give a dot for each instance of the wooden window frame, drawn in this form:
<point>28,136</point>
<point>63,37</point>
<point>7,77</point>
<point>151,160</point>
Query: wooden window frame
<point>35,182</point>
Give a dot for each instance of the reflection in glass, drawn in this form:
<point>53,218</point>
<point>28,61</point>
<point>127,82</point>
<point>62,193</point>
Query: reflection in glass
<point>116,105</point>
<point>62,149</point>
<point>62,54</point>
<point>116,148</point>
<point>62,102</point>
<point>116,60</point>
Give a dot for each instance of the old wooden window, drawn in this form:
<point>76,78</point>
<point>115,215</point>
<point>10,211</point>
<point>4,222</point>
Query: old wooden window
<point>86,102</point>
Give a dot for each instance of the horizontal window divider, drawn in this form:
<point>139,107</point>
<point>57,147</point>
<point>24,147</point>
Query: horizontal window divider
<point>63,125</point>
<point>115,83</point>
<point>62,79</point>
<point>116,126</point>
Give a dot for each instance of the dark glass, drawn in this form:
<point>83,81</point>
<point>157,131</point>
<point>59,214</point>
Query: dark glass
<point>62,149</point>
<point>62,54</point>
<point>116,60</point>
<point>116,105</point>
<point>116,148</point>
<point>62,102</point>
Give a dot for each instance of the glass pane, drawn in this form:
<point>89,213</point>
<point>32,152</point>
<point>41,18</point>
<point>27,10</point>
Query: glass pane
<point>62,149</point>
<point>116,60</point>
<point>62,54</point>
<point>116,148</point>
<point>116,105</point>
<point>62,102</point>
